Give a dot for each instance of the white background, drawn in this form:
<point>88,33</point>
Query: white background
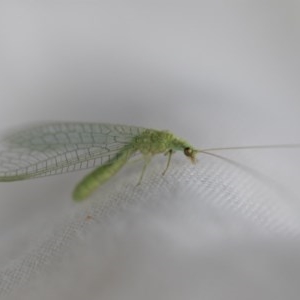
<point>217,73</point>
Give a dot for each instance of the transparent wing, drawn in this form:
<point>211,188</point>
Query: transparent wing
<point>55,148</point>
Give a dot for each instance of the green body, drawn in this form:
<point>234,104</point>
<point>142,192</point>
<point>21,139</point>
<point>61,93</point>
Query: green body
<point>56,148</point>
<point>62,147</point>
<point>148,143</point>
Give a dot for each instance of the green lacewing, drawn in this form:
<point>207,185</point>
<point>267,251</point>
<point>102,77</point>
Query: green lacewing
<point>55,148</point>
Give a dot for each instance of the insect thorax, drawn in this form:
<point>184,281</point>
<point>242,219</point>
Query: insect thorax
<point>154,142</point>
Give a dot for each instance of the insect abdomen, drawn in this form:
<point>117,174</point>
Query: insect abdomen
<point>93,180</point>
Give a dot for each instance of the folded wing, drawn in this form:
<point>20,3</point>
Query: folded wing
<point>55,148</point>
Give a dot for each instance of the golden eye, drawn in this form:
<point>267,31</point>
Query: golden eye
<point>188,151</point>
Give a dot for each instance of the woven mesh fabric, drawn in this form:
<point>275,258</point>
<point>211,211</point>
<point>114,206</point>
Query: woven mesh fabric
<point>175,234</point>
<point>215,74</point>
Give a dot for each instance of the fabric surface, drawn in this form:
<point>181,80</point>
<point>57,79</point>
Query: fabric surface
<point>216,74</point>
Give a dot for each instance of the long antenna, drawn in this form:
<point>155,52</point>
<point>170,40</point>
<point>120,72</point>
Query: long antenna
<point>253,147</point>
<point>280,188</point>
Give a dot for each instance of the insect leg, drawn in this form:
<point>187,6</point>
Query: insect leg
<point>169,153</point>
<point>147,159</point>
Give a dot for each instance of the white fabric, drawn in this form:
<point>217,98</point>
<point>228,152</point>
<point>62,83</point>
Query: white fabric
<point>217,74</point>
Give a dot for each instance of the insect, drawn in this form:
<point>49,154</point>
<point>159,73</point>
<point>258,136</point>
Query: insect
<point>55,148</point>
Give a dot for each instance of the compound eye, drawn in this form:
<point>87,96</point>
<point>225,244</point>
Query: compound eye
<point>188,151</point>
